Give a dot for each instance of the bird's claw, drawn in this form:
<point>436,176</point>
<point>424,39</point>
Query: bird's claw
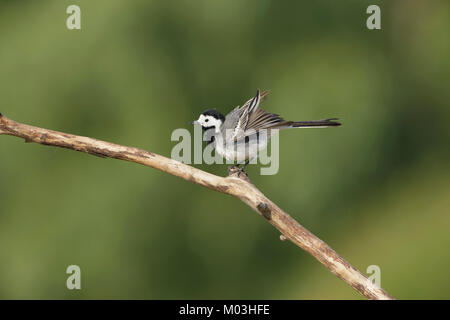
<point>236,169</point>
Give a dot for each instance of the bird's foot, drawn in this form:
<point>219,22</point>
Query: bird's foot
<point>233,170</point>
<point>236,170</point>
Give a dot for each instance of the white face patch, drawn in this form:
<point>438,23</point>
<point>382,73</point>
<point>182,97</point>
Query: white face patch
<point>209,121</point>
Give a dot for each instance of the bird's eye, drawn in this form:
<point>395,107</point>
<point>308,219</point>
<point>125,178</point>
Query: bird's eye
<point>206,120</point>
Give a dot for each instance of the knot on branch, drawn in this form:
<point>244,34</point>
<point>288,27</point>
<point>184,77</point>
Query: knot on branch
<point>265,210</point>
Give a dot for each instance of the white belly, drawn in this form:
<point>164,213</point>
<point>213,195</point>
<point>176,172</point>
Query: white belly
<point>242,150</point>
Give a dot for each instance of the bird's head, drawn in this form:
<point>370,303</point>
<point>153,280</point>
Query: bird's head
<point>210,119</point>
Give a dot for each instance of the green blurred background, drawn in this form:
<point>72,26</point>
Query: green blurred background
<point>376,189</point>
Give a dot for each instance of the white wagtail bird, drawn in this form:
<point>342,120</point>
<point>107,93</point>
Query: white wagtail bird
<point>246,130</point>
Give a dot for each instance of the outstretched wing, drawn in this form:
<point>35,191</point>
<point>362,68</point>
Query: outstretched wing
<point>255,119</point>
<point>261,119</point>
<point>245,114</point>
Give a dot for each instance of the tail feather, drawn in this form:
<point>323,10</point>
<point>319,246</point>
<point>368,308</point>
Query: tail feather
<point>315,123</point>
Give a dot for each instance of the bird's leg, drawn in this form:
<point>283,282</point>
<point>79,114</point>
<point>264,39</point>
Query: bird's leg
<point>242,170</point>
<point>232,169</point>
<point>236,168</point>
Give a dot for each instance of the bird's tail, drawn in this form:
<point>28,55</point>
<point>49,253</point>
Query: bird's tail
<point>315,123</point>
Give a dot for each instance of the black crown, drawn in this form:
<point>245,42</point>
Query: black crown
<point>214,113</point>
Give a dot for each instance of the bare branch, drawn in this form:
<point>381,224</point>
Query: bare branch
<point>239,187</point>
